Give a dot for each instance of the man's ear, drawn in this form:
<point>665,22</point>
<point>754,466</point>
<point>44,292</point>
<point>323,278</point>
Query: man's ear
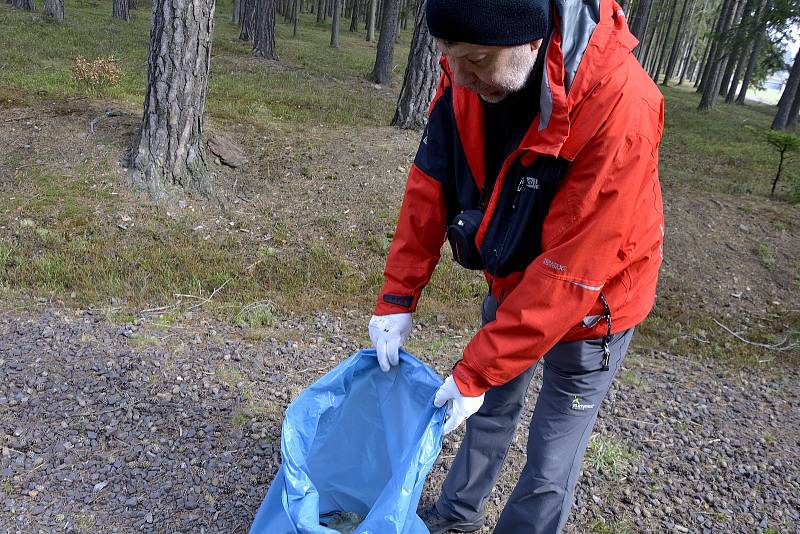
<point>535,45</point>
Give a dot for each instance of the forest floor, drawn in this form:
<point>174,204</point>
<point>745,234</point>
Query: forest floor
<point>147,354</point>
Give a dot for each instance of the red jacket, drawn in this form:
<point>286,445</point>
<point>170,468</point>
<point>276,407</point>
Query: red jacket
<point>601,231</point>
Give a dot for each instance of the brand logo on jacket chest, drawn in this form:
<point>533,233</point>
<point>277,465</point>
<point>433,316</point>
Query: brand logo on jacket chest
<point>530,182</point>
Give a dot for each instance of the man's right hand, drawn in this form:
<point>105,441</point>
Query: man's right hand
<point>388,333</point>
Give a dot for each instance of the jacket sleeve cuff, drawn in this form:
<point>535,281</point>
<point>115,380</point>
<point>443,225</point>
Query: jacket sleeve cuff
<point>388,304</point>
<point>469,382</point>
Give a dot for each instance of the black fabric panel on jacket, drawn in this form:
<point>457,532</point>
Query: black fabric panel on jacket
<point>514,236</point>
<point>441,156</point>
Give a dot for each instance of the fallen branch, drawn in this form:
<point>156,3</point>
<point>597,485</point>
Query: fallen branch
<point>203,299</point>
<point>779,347</point>
<point>638,421</point>
<point>13,119</point>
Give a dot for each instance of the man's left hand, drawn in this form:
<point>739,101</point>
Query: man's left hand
<point>459,407</point>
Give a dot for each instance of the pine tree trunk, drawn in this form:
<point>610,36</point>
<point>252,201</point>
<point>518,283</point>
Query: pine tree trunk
<point>701,66</point>
<point>25,5</point>
<point>740,62</point>
<point>791,124</point>
<point>663,49</point>
<point>639,24</point>
<point>788,96</point>
<point>654,30</point>
<point>297,8</point>
<point>382,71</point>
<point>761,30</point>
<point>120,10</point>
<point>715,38</point>
<point>335,25</point>
<point>373,6</point>
<point>673,55</point>
<point>744,7</point>
<point>55,9</point>
<point>264,38</point>
<point>687,60</point>
<point>247,22</point>
<point>320,9</point>
<point>355,16</point>
<point>711,85</point>
<point>131,5</point>
<point>169,156</point>
<point>421,78</point>
<point>236,11</point>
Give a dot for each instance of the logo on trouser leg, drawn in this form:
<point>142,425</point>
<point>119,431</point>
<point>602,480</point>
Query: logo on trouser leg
<point>579,405</point>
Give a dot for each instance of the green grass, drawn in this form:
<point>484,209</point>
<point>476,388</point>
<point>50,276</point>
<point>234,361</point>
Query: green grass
<point>714,151</point>
<point>766,255</point>
<point>312,83</point>
<point>609,456</point>
<point>601,526</point>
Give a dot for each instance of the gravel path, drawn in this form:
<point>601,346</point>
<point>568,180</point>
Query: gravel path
<point>123,428</point>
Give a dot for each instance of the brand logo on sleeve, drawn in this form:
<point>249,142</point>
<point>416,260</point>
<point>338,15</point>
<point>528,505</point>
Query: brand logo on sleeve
<point>553,265</point>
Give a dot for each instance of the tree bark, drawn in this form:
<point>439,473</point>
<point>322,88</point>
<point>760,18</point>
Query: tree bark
<point>169,156</point>
<point>297,8</point>
<point>701,67</point>
<point>639,24</point>
<point>373,6</point>
<point>739,22</point>
<point>663,48</point>
<point>654,29</point>
<point>687,59</point>
<point>25,5</point>
<point>791,124</point>
<point>673,55</point>
<point>264,38</point>
<point>235,13</point>
<point>55,9</point>
<point>382,71</point>
<point>421,78</point>
<point>354,18</point>
<point>335,25</point>
<point>247,22</point>
<point>761,30</point>
<point>712,84</point>
<point>788,96</point>
<point>734,82</point>
<point>715,39</point>
<point>120,10</point>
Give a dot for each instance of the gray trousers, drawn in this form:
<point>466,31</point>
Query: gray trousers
<point>573,387</point>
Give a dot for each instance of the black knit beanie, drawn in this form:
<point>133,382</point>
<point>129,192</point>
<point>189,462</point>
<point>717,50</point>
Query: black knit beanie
<point>488,22</point>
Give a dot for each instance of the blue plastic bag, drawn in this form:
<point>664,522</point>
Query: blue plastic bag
<point>357,440</point>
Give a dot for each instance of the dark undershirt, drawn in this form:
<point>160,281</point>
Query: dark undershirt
<point>506,123</point>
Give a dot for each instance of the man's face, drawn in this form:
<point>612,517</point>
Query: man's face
<point>491,71</point>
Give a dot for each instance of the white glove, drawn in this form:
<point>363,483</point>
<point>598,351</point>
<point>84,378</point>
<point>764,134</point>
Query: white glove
<point>388,333</point>
<point>459,407</point>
